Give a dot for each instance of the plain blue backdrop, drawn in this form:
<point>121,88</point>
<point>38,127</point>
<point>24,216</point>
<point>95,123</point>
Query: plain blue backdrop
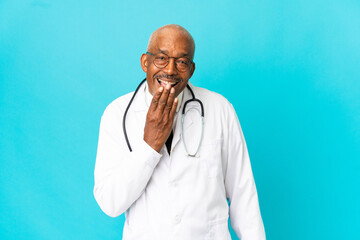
<point>290,68</point>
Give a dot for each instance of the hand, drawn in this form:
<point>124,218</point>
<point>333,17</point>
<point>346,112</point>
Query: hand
<point>160,117</point>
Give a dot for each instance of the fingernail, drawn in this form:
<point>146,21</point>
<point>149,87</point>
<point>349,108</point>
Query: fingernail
<point>176,100</point>
<point>168,86</point>
<point>172,90</point>
<point>161,89</point>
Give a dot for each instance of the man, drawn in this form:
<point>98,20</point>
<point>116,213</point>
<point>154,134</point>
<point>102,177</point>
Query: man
<point>167,186</point>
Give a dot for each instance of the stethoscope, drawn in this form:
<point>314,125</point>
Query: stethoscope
<point>182,119</point>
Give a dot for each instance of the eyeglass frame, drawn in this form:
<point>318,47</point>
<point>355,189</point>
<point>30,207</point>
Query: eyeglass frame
<point>191,62</point>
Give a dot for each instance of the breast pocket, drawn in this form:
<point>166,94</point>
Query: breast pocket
<point>210,158</point>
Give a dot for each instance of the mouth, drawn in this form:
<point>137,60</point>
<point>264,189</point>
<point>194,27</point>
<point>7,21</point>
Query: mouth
<point>164,82</point>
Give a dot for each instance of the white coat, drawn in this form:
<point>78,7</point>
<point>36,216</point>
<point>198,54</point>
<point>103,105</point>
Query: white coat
<point>178,197</point>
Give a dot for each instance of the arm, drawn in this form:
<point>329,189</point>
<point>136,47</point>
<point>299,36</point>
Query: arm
<point>121,176</point>
<point>240,186</point>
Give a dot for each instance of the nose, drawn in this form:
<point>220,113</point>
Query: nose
<point>170,69</point>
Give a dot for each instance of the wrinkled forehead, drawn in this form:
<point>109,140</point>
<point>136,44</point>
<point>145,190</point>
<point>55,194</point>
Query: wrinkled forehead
<point>173,43</point>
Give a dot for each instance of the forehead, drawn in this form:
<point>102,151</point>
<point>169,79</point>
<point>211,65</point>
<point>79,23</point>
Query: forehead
<point>172,43</point>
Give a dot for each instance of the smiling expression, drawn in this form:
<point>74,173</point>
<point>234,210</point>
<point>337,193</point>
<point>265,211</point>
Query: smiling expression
<point>174,43</point>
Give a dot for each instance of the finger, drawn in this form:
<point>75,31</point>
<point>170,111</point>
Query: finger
<point>163,99</point>
<point>170,101</point>
<point>155,99</point>
<point>173,109</point>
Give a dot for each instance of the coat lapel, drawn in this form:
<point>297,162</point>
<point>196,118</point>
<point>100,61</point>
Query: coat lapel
<point>188,120</point>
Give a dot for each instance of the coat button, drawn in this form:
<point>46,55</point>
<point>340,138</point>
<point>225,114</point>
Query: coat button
<point>172,183</point>
<point>177,219</point>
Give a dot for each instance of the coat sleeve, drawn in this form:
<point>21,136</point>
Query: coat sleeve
<point>120,175</point>
<point>240,186</point>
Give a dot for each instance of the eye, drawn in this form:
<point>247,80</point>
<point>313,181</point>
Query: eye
<point>183,62</point>
<point>161,57</point>
<point>161,60</point>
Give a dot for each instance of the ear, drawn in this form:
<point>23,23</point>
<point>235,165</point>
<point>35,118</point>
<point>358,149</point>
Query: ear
<point>192,70</point>
<point>144,62</point>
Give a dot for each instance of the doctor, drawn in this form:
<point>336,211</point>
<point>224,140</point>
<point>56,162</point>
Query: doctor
<point>165,192</point>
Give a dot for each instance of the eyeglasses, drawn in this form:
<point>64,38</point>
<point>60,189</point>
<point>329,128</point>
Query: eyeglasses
<point>161,60</point>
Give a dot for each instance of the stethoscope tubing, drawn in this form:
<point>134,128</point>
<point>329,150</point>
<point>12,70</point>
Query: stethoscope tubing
<point>126,111</point>
<point>183,116</point>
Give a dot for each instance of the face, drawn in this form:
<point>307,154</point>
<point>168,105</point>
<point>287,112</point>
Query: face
<point>173,45</point>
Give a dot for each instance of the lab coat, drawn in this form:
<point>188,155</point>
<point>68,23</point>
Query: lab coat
<point>178,197</point>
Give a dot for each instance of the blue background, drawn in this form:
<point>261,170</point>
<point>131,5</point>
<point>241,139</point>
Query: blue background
<point>290,68</point>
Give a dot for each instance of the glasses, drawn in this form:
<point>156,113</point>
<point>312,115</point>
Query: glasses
<point>161,60</point>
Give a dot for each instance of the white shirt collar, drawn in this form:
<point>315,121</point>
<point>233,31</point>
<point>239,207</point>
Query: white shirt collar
<point>148,97</point>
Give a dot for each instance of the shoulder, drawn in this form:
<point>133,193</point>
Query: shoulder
<point>212,99</point>
<point>118,105</point>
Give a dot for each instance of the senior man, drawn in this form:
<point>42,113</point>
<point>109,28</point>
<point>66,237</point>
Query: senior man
<point>173,178</point>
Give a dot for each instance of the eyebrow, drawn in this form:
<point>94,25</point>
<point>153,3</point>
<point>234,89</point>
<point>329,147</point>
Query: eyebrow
<point>182,54</point>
